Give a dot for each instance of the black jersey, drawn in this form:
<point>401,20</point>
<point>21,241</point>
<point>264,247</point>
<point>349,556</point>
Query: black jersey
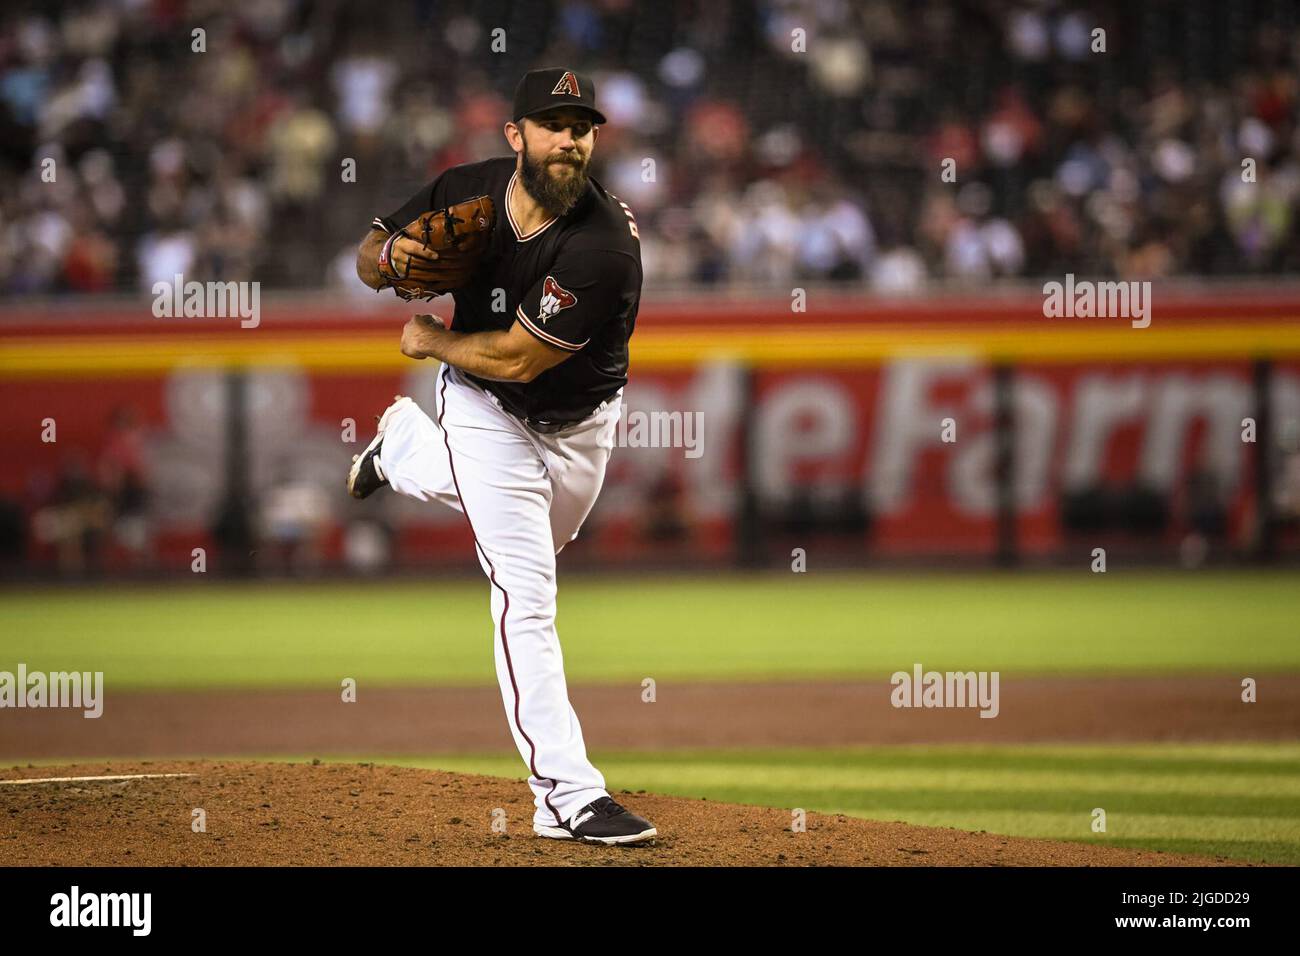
<point>573,282</point>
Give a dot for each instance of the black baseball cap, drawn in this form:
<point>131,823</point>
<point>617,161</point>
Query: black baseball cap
<point>542,90</point>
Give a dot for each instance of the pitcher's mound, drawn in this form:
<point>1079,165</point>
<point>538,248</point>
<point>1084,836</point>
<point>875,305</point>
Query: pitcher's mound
<point>240,814</point>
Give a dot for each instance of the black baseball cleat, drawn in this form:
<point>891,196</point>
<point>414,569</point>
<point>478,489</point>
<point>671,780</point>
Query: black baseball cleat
<point>601,821</point>
<point>367,474</point>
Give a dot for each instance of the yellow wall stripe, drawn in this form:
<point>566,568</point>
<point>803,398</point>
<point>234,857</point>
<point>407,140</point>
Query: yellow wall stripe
<point>781,347</point>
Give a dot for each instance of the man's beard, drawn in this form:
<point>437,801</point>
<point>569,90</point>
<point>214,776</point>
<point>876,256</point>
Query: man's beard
<point>555,196</point>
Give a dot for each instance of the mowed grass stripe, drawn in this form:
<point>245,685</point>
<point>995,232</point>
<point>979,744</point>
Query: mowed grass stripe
<point>879,779</point>
<point>842,625</point>
<point>878,803</point>
<point>1078,826</point>
<point>1203,795</point>
<point>1246,759</point>
<point>1275,852</point>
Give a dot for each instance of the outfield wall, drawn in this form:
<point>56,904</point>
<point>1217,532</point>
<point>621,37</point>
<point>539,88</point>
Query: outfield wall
<point>859,428</point>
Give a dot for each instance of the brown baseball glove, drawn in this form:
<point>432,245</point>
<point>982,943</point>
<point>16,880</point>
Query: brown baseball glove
<point>440,251</point>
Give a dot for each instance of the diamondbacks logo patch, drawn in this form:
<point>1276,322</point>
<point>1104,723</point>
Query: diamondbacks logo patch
<point>554,298</point>
<point>568,86</point>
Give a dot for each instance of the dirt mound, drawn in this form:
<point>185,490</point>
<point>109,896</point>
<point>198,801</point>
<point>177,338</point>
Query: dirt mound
<point>362,814</point>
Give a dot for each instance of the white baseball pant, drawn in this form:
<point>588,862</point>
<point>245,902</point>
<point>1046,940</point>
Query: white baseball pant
<point>525,495</point>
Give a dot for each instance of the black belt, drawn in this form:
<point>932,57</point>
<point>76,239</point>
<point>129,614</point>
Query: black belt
<point>548,428</point>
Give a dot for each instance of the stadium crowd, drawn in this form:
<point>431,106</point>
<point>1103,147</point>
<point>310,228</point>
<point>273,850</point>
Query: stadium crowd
<point>759,142</point>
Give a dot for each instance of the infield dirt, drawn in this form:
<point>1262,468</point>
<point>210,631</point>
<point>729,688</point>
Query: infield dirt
<point>151,724</point>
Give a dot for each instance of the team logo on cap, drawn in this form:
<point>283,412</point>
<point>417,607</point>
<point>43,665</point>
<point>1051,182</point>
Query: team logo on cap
<point>568,86</point>
<point>554,298</point>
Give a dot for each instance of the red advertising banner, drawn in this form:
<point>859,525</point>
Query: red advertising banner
<point>913,440</point>
<point>869,423</point>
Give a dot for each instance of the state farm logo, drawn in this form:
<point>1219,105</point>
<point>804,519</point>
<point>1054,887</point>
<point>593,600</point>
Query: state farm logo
<point>554,298</point>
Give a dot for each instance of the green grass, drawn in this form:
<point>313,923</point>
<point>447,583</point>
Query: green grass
<point>1237,801</point>
<point>721,627</point>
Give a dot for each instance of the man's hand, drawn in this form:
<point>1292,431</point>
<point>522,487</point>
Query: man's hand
<point>415,337</point>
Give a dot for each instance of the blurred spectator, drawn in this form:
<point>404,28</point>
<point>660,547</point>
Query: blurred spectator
<point>361,86</point>
<point>300,145</point>
<point>124,477</point>
<point>76,518</point>
<point>294,522</point>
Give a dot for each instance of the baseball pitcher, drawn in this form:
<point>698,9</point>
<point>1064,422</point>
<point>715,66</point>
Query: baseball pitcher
<point>544,266</point>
